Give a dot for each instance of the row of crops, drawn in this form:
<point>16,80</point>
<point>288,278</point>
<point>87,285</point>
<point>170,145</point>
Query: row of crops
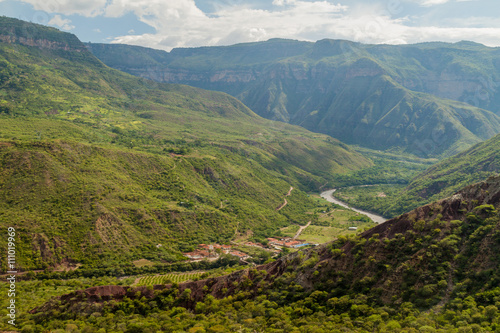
<point>167,278</point>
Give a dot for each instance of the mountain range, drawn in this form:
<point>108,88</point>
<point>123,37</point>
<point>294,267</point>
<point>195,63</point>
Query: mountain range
<point>430,99</point>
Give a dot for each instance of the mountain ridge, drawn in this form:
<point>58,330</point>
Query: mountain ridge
<point>303,86</point>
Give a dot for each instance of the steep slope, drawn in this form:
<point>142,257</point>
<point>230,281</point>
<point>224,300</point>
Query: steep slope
<point>446,177</point>
<point>378,113</point>
<point>99,166</point>
<point>443,254</point>
<point>325,85</point>
<point>463,71</point>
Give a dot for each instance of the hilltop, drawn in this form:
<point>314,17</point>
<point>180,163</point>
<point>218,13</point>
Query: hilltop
<point>99,167</point>
<point>430,100</point>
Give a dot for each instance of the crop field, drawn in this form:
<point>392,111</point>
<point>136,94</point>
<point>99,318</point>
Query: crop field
<point>328,222</point>
<point>167,278</point>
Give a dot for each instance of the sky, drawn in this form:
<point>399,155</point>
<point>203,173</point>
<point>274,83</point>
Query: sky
<point>166,24</point>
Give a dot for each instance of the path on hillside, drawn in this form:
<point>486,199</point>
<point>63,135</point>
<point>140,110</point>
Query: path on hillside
<point>286,202</point>
<point>302,228</point>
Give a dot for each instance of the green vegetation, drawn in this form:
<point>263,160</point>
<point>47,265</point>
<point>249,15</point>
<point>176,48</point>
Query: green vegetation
<point>437,275</point>
<point>167,278</point>
<point>315,312</point>
<point>388,168</point>
<point>122,175</point>
<point>447,177</point>
<point>37,292</point>
<point>436,182</point>
<point>99,167</point>
<point>382,97</point>
<point>328,221</point>
<point>374,198</point>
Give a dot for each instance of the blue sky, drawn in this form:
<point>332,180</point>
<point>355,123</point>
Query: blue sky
<point>165,24</point>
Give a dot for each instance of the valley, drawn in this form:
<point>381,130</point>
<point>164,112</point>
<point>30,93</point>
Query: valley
<point>315,279</point>
<point>315,187</point>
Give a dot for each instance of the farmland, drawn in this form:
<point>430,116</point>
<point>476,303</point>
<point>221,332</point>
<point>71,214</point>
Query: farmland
<point>328,222</point>
<point>167,278</point>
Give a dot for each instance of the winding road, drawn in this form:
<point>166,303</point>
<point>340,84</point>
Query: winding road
<point>286,202</point>
<point>327,195</point>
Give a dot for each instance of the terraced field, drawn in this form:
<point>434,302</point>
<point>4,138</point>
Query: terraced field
<point>167,278</point>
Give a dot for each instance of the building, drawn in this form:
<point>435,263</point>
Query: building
<point>239,254</point>
<point>207,251</point>
<point>287,242</point>
<point>200,254</point>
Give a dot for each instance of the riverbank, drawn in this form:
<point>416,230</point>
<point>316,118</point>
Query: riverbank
<point>327,195</point>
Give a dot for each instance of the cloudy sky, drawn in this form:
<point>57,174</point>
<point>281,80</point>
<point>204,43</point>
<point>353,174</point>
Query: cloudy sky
<point>165,24</point>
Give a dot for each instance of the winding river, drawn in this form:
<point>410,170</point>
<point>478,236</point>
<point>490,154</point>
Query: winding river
<point>327,195</point>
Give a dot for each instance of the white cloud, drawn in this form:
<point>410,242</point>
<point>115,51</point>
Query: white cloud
<point>64,24</point>
<point>180,23</point>
<point>87,8</point>
<point>429,3</point>
<point>433,2</point>
<point>283,2</point>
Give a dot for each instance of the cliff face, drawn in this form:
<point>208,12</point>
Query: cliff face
<point>426,256</point>
<point>41,43</point>
<point>404,97</point>
<point>13,31</point>
<point>476,91</point>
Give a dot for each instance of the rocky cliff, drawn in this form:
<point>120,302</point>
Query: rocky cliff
<point>13,31</point>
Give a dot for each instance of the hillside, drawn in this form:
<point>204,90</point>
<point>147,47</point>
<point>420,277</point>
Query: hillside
<point>448,176</point>
<point>422,99</point>
<point>440,257</point>
<point>99,167</point>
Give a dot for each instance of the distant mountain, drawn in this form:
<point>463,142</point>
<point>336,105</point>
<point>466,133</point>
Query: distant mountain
<point>100,167</point>
<point>424,99</point>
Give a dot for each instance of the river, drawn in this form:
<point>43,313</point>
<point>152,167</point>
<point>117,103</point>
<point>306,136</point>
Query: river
<point>327,195</point>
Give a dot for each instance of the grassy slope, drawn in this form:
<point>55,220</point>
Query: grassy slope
<point>434,183</point>
<point>99,165</point>
<point>445,178</point>
<point>427,270</point>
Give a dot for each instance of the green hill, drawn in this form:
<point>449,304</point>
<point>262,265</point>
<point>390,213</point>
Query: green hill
<point>434,183</point>
<point>434,269</point>
<point>423,99</point>
<point>448,176</point>
<point>99,167</point>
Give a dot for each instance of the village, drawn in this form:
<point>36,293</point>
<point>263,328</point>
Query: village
<point>213,251</point>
